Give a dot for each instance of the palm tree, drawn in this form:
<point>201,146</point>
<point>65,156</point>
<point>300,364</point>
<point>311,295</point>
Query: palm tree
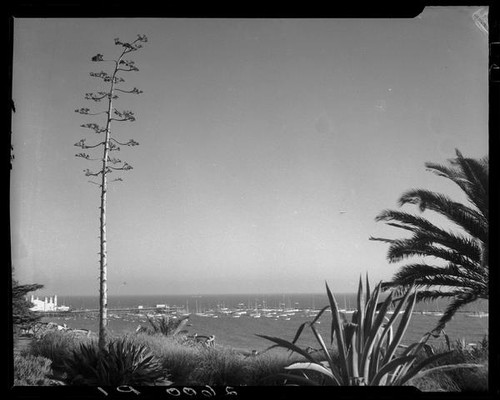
<point>459,258</point>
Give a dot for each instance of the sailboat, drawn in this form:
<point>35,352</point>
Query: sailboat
<point>347,310</point>
<point>478,314</point>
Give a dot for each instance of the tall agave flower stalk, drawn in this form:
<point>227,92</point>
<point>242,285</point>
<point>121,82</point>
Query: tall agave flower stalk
<point>109,144</point>
<point>368,346</point>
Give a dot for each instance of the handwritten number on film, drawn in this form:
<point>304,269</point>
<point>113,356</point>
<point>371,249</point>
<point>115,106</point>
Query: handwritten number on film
<point>175,392</point>
<point>208,392</point>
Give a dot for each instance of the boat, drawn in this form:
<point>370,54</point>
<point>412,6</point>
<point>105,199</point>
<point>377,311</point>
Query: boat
<point>477,314</point>
<point>390,312</point>
<point>238,314</point>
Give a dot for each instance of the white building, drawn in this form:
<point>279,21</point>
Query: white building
<point>47,304</point>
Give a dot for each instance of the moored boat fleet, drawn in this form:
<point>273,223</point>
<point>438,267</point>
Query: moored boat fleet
<point>280,311</point>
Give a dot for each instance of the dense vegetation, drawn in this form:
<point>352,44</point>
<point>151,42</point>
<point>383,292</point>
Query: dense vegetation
<point>22,317</point>
<point>185,363</point>
<point>150,357</point>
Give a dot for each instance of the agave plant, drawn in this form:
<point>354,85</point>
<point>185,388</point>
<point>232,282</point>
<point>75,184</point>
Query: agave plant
<point>121,363</point>
<point>368,346</point>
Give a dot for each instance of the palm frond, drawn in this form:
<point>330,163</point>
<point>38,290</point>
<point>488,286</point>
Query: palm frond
<point>458,302</point>
<point>431,295</point>
<point>472,221</point>
<point>426,232</point>
<point>470,175</point>
<point>400,249</point>
<point>411,221</point>
<point>464,273</point>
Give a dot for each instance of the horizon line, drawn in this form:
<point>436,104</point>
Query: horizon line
<point>193,294</point>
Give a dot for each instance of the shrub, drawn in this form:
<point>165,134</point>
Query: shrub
<point>193,364</point>
<point>435,382</point>
<point>471,379</point>
<point>31,370</point>
<point>220,366</point>
<point>122,363</point>
<point>265,368</point>
<point>177,358</point>
<point>56,346</point>
<point>367,345</point>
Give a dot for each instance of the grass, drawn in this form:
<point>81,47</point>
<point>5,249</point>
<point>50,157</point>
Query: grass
<point>193,364</point>
<point>56,346</point>
<point>179,360</point>
<point>190,364</point>
<point>30,370</point>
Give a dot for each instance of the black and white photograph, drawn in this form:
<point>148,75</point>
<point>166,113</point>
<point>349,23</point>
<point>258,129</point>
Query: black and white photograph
<point>209,204</point>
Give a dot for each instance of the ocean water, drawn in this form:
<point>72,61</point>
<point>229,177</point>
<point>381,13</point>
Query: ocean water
<point>201,303</point>
<point>242,332</point>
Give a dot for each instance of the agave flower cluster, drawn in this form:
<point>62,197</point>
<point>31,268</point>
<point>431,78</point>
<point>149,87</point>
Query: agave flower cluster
<point>368,346</point>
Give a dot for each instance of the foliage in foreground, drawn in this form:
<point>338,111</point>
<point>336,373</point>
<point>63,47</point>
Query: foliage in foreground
<point>121,363</point>
<point>367,345</point>
<point>470,380</point>
<point>30,370</point>
<point>57,346</point>
<point>456,260</point>
<point>223,366</point>
<point>22,317</point>
<point>195,365</point>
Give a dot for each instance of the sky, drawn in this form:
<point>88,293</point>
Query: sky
<point>267,147</point>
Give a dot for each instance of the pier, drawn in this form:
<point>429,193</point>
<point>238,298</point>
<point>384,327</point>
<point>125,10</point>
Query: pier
<point>136,310</point>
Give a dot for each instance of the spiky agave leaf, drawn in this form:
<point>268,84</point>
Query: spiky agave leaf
<point>288,345</point>
<point>375,332</point>
<point>333,368</point>
<point>371,309</point>
<point>360,337</point>
<point>373,363</point>
<point>336,328</point>
<point>381,376</point>
<point>314,367</point>
<point>403,325</point>
<point>381,351</point>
